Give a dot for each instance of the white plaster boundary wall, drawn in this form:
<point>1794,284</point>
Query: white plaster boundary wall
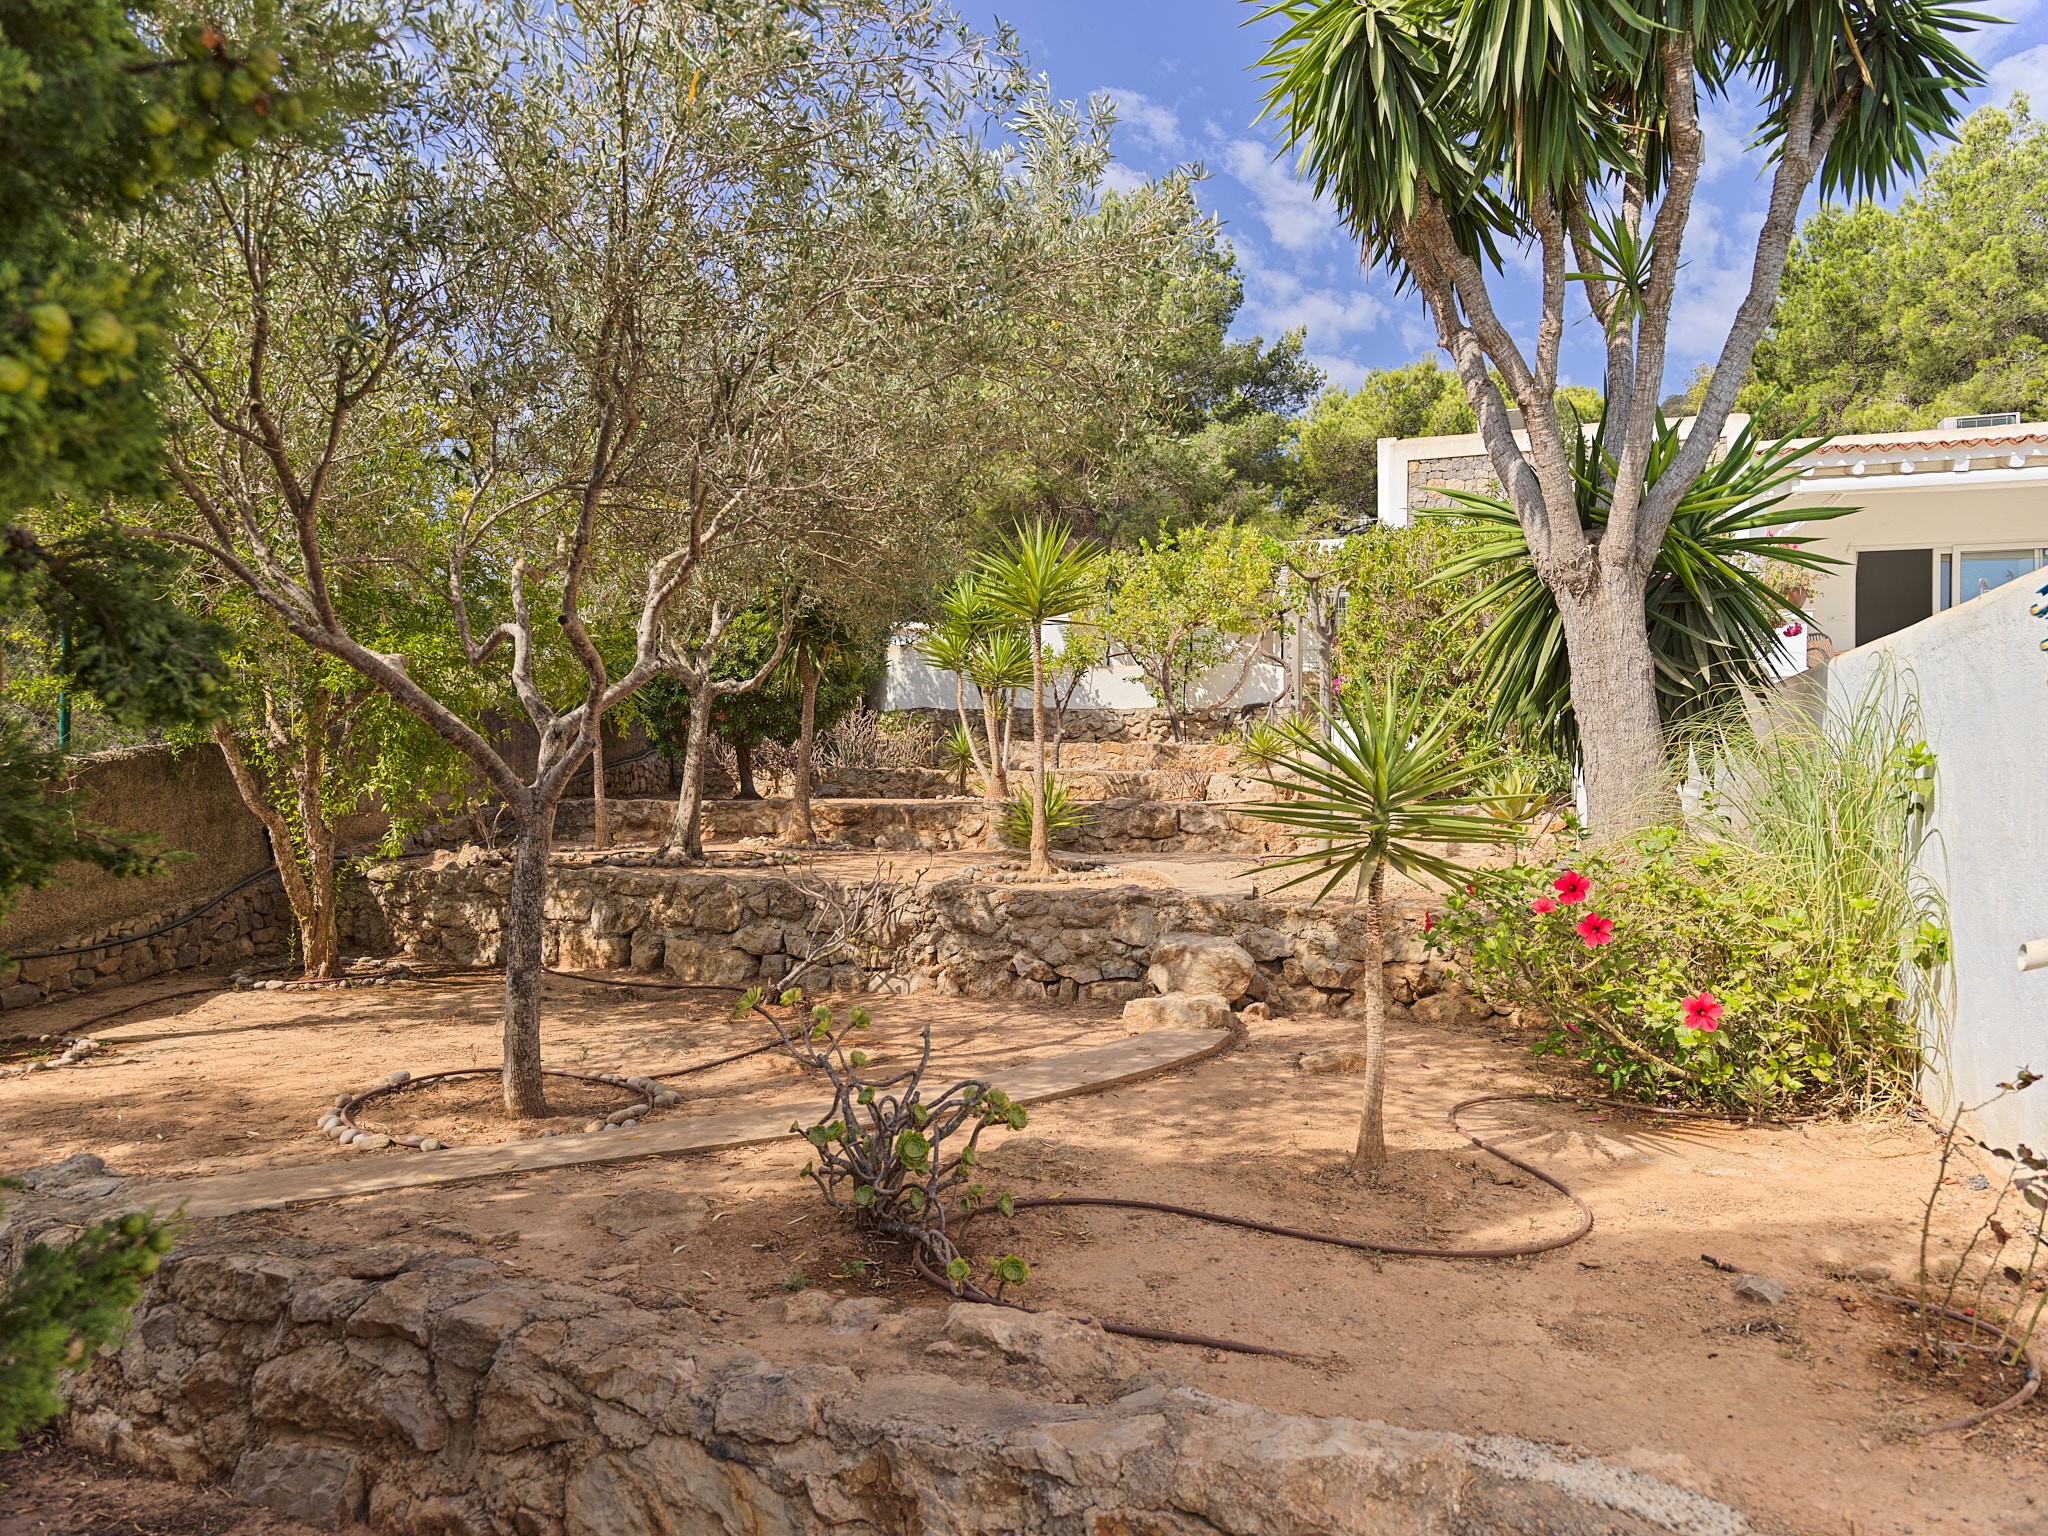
<point>1982,686</point>
<point>910,683</point>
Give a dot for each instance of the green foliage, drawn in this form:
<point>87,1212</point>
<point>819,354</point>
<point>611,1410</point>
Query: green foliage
<point>65,1303</point>
<point>1180,606</point>
<point>1264,744</point>
<point>1712,616</point>
<point>1386,789</point>
<point>1792,904</point>
<point>1335,473</point>
<point>103,107</point>
<point>1065,817</point>
<point>1404,617</point>
<point>1893,318</point>
<point>1492,106</point>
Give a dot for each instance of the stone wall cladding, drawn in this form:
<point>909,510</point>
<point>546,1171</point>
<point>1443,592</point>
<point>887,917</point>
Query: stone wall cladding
<point>1096,726</point>
<point>431,1396</point>
<point>958,937</point>
<point>1135,827</point>
<point>252,924</point>
<point>1474,475</point>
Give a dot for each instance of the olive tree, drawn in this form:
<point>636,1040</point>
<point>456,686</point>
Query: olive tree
<point>623,270</point>
<point>1453,134</point>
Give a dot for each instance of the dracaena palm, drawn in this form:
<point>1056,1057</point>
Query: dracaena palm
<point>1451,133</point>
<point>1711,617</point>
<point>1041,573</point>
<point>1387,789</point>
<point>965,617</point>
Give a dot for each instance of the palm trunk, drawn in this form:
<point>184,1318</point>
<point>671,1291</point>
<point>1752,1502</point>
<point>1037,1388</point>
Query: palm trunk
<point>800,829</point>
<point>687,838</point>
<point>998,770</point>
<point>525,908</point>
<point>1372,1129</point>
<point>600,810</point>
<point>1041,838</point>
<point>1614,697</point>
<point>967,730</point>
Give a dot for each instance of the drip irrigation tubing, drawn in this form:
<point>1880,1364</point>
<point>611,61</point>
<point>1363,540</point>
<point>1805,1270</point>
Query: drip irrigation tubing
<point>1298,1234</point>
<point>268,872</point>
<point>1977,1324</point>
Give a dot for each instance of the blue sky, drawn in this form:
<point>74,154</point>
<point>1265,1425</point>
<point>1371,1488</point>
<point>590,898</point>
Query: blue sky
<point>1180,70</point>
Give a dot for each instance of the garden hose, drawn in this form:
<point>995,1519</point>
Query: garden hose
<point>1357,1244</point>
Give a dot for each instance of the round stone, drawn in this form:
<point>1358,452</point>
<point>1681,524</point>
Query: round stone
<point>347,1136</point>
<point>398,1077</point>
<point>373,1142</point>
<point>430,1144</point>
<point>341,1100</point>
<point>627,1125</point>
<point>595,1125</point>
<point>607,1126</point>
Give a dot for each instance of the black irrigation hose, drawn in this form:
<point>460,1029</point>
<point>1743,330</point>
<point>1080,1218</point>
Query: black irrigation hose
<point>1972,1420</point>
<point>268,872</point>
<point>1299,1234</point>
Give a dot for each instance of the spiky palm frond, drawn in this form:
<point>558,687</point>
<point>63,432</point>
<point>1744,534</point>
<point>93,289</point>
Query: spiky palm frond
<point>1713,619</point>
<point>1387,787</point>
<point>1041,573</point>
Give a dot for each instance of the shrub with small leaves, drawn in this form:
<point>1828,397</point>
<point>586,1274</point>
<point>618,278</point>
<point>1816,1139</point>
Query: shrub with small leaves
<point>897,1161</point>
<point>64,1303</point>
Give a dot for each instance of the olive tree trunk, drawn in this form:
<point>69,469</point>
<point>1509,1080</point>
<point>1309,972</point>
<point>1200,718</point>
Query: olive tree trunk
<point>686,840</point>
<point>600,811</point>
<point>525,911</point>
<point>1372,1128</point>
<point>800,830</point>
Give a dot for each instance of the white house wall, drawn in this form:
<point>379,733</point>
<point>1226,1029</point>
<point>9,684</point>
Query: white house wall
<point>911,683</point>
<point>1981,681</point>
<point>1979,509</point>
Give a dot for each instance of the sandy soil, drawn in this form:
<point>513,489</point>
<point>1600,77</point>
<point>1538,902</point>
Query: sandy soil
<point>48,1491</point>
<point>1626,1344</point>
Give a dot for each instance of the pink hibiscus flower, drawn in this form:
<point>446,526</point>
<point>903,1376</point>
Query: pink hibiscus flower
<point>1595,930</point>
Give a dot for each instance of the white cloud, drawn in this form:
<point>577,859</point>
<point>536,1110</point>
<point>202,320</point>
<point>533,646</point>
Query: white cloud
<point>1418,335</point>
<point>1720,251</point>
<point>1119,177</point>
<point>1344,372</point>
<point>2026,71</point>
<point>1152,124</point>
<point>1276,300</point>
<point>1295,217</point>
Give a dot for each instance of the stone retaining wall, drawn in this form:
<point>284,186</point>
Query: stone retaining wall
<point>1114,826</point>
<point>252,924</point>
<point>959,937</point>
<point>429,1395</point>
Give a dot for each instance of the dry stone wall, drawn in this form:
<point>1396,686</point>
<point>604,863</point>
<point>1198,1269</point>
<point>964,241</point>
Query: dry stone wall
<point>251,924</point>
<point>1135,827</point>
<point>959,937</point>
<point>430,1395</point>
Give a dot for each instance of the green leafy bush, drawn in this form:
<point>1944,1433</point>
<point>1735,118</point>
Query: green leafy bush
<point>1065,817</point>
<point>1778,952</point>
<point>64,1303</point>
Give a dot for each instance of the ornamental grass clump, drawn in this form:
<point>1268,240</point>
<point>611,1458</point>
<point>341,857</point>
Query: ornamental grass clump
<point>1778,952</point>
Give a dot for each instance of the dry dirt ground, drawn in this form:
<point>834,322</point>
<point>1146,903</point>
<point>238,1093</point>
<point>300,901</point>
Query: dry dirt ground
<point>1626,1344</point>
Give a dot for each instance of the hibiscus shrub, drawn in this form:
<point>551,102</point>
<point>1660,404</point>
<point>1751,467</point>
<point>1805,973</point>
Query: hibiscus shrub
<point>1689,972</point>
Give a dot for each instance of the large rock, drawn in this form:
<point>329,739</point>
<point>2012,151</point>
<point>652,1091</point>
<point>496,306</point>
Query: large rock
<point>1180,1010</point>
<point>1201,962</point>
<point>1063,1346</point>
<point>315,1483</point>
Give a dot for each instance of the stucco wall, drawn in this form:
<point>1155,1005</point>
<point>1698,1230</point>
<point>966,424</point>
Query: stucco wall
<point>909,683</point>
<point>185,800</point>
<point>1982,685</point>
<point>1937,512</point>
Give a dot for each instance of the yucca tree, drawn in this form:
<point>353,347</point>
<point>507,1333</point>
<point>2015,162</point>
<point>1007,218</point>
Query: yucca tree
<point>965,617</point>
<point>1712,619</point>
<point>1386,790</point>
<point>1454,136</point>
<point>1041,573</point>
<point>998,665</point>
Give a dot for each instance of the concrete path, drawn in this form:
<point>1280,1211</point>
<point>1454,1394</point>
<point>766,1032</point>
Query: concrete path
<point>262,1189</point>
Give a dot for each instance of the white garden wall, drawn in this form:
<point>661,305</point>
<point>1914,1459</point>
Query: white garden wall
<point>1982,684</point>
<point>911,684</point>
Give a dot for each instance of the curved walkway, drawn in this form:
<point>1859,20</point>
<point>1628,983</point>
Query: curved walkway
<point>1083,1071</point>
